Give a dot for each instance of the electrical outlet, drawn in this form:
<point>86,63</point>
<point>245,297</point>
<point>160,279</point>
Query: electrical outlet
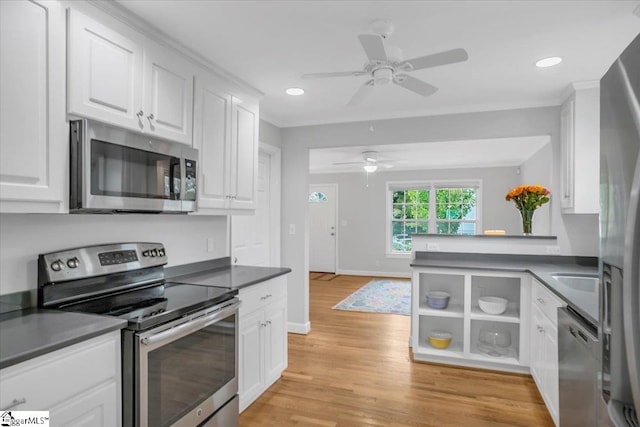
<point>433,247</point>
<point>210,245</point>
<point>553,250</point>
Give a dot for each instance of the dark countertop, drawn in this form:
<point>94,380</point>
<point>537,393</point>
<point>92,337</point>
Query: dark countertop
<point>542,267</point>
<point>32,332</point>
<point>220,274</point>
<point>25,334</point>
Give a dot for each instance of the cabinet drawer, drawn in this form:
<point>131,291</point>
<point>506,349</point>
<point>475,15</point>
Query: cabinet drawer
<point>52,378</point>
<point>544,299</point>
<point>257,296</point>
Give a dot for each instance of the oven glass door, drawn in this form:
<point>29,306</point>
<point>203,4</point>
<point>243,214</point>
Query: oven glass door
<point>178,374</point>
<point>121,171</point>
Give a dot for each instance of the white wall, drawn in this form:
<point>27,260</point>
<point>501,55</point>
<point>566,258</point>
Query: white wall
<point>297,141</point>
<point>23,237</point>
<point>362,242</point>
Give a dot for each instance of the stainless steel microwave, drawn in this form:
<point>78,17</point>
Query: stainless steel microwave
<point>114,170</point>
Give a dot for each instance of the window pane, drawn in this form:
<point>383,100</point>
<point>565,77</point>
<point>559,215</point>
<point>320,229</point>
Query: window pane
<point>398,211</point>
<point>443,227</point>
<point>317,197</point>
<point>398,197</point>
<point>423,228</point>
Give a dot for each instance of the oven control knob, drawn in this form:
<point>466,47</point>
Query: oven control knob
<point>57,265</point>
<point>145,253</point>
<point>154,253</point>
<point>73,262</point>
<point>160,252</point>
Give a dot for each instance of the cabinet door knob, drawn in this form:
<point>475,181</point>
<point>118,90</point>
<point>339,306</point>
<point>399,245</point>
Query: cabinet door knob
<point>540,300</point>
<point>151,117</point>
<point>140,114</point>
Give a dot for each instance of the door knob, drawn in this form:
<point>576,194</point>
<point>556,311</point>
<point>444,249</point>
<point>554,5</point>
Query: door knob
<point>333,234</point>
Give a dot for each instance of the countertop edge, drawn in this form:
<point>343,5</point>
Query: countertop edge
<point>111,324</point>
<point>532,270</point>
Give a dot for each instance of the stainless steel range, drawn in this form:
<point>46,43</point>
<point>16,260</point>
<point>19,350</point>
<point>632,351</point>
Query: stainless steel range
<point>180,347</point>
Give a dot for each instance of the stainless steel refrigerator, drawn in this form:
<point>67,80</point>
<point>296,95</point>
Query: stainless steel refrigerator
<point>620,239</point>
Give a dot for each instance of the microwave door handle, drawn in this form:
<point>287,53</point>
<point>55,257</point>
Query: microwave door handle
<point>172,174</point>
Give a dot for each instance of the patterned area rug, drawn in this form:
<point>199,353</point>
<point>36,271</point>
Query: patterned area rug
<point>380,296</point>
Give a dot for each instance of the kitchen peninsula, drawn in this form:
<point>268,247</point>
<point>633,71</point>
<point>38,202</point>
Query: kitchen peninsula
<point>518,269</point>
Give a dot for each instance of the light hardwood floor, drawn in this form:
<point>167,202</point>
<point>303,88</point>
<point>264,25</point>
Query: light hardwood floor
<point>355,369</point>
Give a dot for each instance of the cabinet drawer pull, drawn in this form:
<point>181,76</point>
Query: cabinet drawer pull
<point>16,402</point>
<point>151,117</point>
<point>266,297</point>
<point>140,114</point>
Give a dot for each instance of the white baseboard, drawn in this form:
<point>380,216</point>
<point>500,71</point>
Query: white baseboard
<point>299,328</point>
<point>374,273</point>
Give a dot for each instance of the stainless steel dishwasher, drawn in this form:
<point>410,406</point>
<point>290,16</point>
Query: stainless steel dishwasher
<point>578,362</point>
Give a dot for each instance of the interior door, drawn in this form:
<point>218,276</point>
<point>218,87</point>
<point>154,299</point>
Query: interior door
<point>250,234</point>
<point>322,227</point>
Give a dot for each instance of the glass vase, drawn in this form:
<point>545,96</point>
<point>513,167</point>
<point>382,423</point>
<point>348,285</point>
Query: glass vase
<point>527,220</point>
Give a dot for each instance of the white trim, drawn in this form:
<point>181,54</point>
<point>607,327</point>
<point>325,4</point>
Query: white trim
<point>374,273</point>
<point>299,328</point>
<point>275,190</point>
<point>337,235</point>
<point>399,255</point>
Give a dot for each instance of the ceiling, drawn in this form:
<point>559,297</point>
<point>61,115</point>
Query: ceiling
<point>270,44</point>
<point>432,155</point>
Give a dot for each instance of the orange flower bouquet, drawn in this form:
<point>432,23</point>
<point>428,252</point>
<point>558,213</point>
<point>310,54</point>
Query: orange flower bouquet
<point>528,198</point>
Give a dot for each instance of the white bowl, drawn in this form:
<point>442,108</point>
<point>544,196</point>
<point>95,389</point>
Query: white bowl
<point>493,305</point>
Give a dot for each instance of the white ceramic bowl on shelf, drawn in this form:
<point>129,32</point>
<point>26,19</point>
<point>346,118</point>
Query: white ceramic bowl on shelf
<point>493,305</point>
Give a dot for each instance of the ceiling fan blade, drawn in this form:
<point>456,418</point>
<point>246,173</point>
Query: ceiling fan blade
<point>336,74</point>
<point>373,47</point>
<point>362,93</point>
<point>435,60</point>
<point>347,163</point>
<point>414,85</point>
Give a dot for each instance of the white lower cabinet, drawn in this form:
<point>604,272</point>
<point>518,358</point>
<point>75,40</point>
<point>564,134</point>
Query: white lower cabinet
<point>493,341</point>
<point>79,385</point>
<point>544,345</point>
<point>263,338</point>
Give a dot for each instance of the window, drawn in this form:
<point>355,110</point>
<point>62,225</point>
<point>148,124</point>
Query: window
<point>446,207</point>
<point>317,197</point>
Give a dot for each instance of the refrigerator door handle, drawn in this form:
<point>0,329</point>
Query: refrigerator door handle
<point>631,263</point>
<point>631,287</point>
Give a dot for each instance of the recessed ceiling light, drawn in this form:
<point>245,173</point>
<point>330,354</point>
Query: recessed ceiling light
<point>295,91</point>
<point>548,62</point>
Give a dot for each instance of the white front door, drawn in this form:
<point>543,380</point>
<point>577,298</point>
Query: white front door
<point>250,234</point>
<point>322,227</point>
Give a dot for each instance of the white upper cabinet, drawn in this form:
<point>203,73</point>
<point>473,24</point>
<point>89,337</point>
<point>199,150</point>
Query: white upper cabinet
<point>105,73</point>
<point>226,135</point>
<point>33,132</point>
<point>120,77</point>
<point>244,153</point>
<point>168,102</point>
<point>580,150</point>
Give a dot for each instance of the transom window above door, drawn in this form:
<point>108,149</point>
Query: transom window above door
<point>317,197</point>
<point>436,207</point>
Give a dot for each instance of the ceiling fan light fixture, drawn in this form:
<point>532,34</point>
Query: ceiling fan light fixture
<point>295,91</point>
<point>370,168</point>
<point>382,76</point>
<point>548,62</point>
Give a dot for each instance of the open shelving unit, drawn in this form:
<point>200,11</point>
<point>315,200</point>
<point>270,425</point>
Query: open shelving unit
<point>467,323</point>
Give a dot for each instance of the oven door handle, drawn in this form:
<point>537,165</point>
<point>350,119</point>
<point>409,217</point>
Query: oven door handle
<point>191,326</point>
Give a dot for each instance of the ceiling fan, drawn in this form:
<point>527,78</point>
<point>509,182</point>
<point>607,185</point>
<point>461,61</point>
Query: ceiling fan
<point>370,162</point>
<point>385,65</point>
